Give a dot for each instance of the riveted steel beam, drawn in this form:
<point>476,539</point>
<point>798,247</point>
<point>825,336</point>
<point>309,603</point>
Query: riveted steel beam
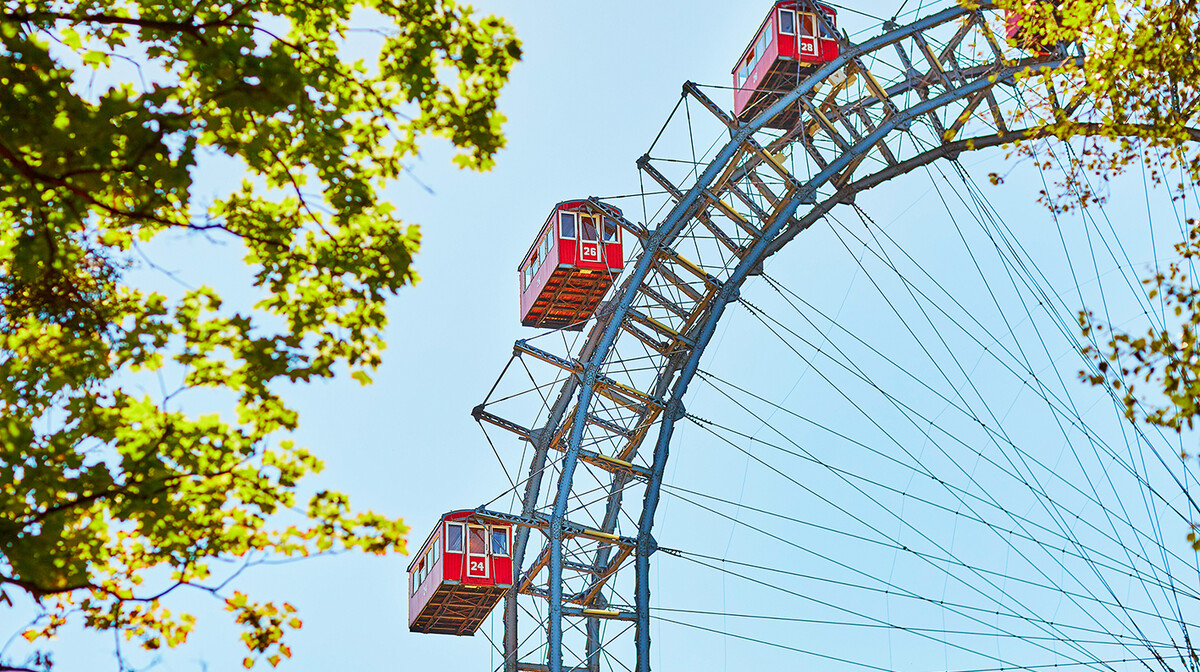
<point>666,294</point>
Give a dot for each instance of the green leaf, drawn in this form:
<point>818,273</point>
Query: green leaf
<point>145,494</point>
<point>96,59</point>
<point>70,38</point>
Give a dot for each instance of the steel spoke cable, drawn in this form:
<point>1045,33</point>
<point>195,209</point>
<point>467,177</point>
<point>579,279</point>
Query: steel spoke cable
<point>953,322</point>
<point>1047,395</point>
<point>880,624</point>
<point>898,591</point>
<point>1139,430</point>
<point>825,428</point>
<point>904,407</point>
<point>1127,569</point>
<point>1044,394</point>
<point>889,586</point>
<point>1030,282</point>
<point>1152,512</point>
<point>1161,324</point>
<point>968,378</point>
<point>814,621</point>
<point>1065,330</point>
<point>803,596</point>
<point>959,579</point>
<point>889,544</point>
<point>851,612</point>
<point>908,284</point>
<point>1086,213</point>
<point>1115,457</point>
<point>1099,664</point>
<point>899,445</point>
<point>1059,521</point>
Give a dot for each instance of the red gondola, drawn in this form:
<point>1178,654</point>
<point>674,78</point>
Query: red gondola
<point>570,265</point>
<point>1016,31</point>
<point>790,40</point>
<point>462,571</point>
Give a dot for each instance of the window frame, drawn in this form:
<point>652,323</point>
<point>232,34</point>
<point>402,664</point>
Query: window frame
<point>535,263</point>
<point>486,540</point>
<point>461,537</point>
<point>574,226</point>
<point>807,25</point>
<point>616,228</point>
<point>820,28</point>
<point>502,529</point>
<point>583,232</point>
<point>430,560</point>
<point>790,13</point>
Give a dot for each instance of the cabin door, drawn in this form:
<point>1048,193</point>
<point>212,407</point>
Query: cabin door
<point>589,245</point>
<point>808,34</point>
<point>477,555</point>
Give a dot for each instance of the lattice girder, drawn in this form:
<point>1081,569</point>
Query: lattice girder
<point>882,108</point>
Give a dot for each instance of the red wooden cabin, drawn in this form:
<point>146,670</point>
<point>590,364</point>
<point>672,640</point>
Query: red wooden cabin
<point>1017,33</point>
<point>462,571</point>
<point>570,266</point>
<point>790,41</point>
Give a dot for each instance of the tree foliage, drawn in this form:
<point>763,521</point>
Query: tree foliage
<point>1134,98</point>
<point>1166,359</point>
<point>111,498</point>
<point>1133,101</point>
<point>1131,104</point>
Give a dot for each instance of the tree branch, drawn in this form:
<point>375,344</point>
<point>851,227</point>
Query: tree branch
<point>193,29</point>
<point>34,175</point>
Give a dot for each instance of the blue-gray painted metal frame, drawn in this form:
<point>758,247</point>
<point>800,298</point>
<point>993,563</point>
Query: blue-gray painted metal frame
<point>687,208</point>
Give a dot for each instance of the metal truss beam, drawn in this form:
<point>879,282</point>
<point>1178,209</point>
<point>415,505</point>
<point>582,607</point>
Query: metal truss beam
<point>670,304</point>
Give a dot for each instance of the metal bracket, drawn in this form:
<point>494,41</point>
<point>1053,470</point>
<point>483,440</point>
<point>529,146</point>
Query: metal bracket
<point>731,292</point>
<point>647,546</point>
<point>675,409</point>
<point>606,308</point>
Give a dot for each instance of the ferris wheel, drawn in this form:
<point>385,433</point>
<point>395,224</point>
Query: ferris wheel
<point>943,443</point>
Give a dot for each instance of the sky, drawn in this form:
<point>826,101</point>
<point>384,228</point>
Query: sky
<point>596,83</point>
